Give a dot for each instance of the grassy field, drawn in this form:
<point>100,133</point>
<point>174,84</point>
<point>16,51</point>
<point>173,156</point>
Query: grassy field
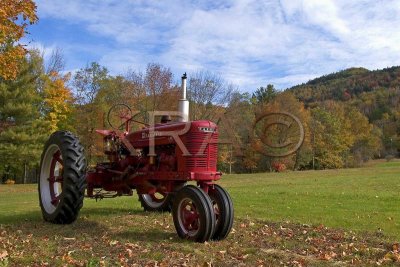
<point>316,218</point>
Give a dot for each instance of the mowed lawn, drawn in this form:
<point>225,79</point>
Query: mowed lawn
<point>358,199</point>
<point>358,205</point>
<point>365,199</point>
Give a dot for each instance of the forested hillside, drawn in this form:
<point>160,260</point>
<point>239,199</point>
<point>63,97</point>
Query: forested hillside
<point>376,94</point>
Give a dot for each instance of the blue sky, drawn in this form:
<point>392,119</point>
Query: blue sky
<point>249,43</point>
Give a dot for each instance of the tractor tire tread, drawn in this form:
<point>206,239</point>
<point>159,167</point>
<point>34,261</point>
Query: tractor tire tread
<point>74,180</point>
<point>199,196</point>
<point>223,229</point>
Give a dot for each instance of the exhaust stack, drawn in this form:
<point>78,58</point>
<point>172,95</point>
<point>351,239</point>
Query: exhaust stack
<point>183,107</point>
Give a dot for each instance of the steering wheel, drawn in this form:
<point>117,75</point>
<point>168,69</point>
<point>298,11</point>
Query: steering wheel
<point>119,115</point>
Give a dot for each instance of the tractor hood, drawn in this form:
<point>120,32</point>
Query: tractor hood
<point>165,133</point>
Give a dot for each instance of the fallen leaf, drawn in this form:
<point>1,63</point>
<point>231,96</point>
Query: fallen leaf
<point>3,254</point>
<point>130,252</point>
<point>392,257</point>
<point>70,252</point>
<point>242,257</point>
<point>113,242</point>
<point>324,256</point>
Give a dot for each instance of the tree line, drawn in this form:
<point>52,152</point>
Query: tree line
<point>347,117</point>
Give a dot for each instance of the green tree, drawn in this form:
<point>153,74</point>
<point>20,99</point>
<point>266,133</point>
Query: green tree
<point>327,134</point>
<point>234,129</point>
<point>24,129</point>
<point>88,82</point>
<point>88,114</point>
<point>265,94</point>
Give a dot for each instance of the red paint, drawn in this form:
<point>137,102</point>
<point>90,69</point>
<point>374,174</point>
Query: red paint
<point>171,168</point>
<point>190,216</point>
<point>55,179</point>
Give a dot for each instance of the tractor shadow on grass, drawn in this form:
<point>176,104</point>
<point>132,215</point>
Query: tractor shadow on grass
<point>99,211</point>
<point>95,220</point>
<point>152,235</point>
<point>136,224</point>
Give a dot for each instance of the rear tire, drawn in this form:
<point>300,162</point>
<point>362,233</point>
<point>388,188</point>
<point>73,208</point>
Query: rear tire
<point>62,180</point>
<point>223,210</point>
<point>193,214</point>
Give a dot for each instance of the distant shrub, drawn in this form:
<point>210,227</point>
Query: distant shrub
<point>9,181</point>
<point>278,166</point>
<point>389,158</point>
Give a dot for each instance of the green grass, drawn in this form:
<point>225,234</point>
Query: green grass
<point>359,199</point>
<point>358,205</point>
<point>366,199</point>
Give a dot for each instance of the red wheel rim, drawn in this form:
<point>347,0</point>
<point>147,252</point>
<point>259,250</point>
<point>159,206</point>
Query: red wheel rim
<point>189,217</point>
<point>56,178</point>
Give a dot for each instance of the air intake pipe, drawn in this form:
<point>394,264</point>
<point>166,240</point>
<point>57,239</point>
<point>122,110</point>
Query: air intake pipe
<point>183,107</point>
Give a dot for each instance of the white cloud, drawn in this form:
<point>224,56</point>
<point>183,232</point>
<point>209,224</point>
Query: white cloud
<point>251,43</point>
<point>46,51</point>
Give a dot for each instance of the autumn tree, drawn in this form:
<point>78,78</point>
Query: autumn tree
<point>158,82</point>
<point>328,140</point>
<point>15,16</point>
<point>362,138</point>
<point>89,115</point>
<point>119,90</point>
<point>58,101</point>
<point>206,91</point>
<point>375,94</point>
<point>56,62</point>
<point>88,81</point>
<point>234,127</point>
<point>281,124</point>
<point>342,136</point>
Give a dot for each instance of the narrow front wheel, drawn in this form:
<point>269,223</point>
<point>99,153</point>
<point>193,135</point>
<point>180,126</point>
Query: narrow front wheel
<point>193,214</point>
<point>223,210</point>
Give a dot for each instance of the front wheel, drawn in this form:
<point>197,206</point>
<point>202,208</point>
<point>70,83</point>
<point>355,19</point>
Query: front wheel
<point>62,179</point>
<point>193,214</point>
<point>223,210</point>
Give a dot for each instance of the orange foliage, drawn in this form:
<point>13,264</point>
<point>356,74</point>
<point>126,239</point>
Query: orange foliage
<point>14,18</point>
<point>58,99</point>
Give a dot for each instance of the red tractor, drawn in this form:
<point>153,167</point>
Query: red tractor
<point>157,161</point>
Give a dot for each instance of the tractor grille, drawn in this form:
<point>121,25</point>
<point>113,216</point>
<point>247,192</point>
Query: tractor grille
<point>203,148</point>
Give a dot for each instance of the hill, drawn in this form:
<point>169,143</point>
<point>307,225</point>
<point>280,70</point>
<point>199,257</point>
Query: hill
<point>351,83</point>
<point>375,93</point>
